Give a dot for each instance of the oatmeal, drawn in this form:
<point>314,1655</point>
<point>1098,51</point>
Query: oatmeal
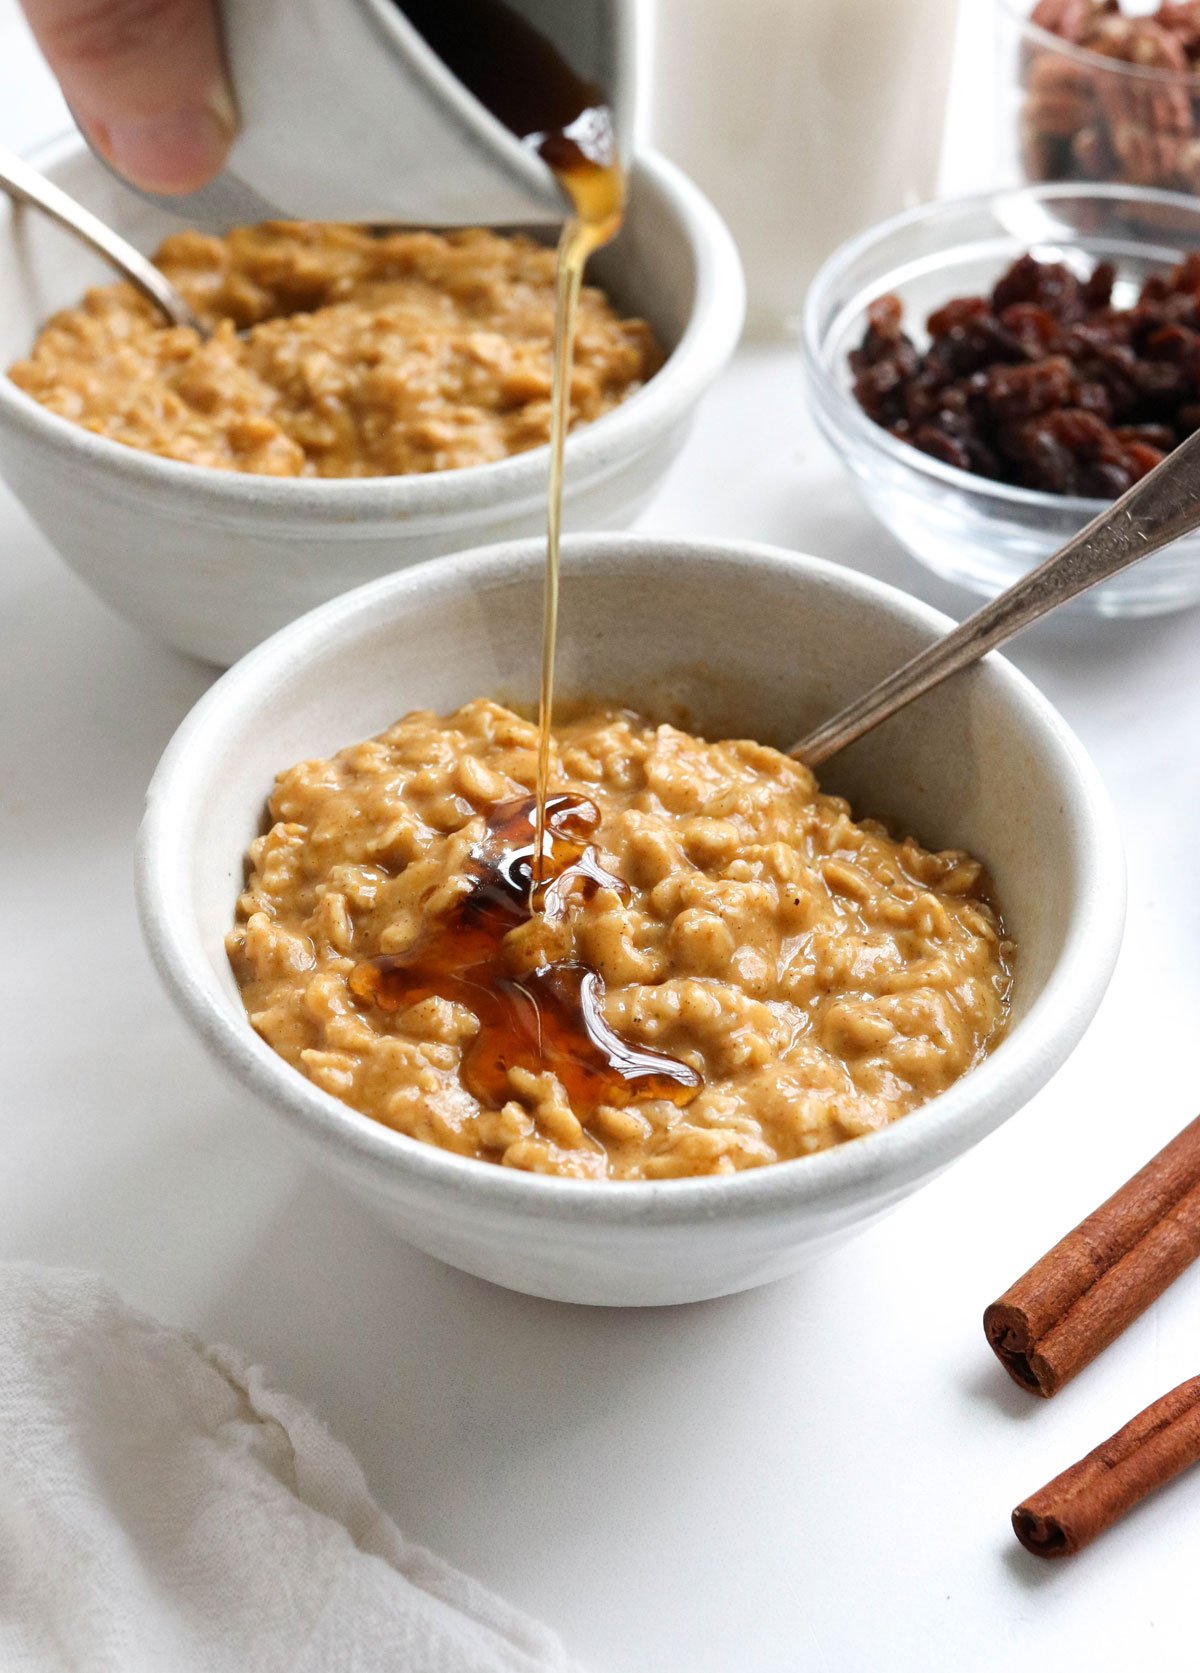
<point>363,354</point>
<point>780,977</point>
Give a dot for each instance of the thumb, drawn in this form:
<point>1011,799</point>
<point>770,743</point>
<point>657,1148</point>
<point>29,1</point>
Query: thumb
<point>145,81</point>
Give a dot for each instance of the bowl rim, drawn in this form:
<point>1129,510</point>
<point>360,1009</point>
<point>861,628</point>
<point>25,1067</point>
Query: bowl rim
<point>593,451</point>
<point>885,1161</point>
<point>1099,60</point>
<point>840,408</point>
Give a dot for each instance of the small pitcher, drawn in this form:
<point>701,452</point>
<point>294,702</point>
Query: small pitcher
<point>348,113</point>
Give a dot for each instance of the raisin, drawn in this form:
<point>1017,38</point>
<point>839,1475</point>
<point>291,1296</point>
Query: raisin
<point>1082,432</point>
<point>921,398</point>
<point>1048,464</point>
<point>1019,284</point>
<point>1158,381</point>
<point>1017,392</point>
<point>884,316</point>
<point>878,390</point>
<point>874,349</point>
<point>958,311</point>
<point>985,460</point>
<point>1097,291</point>
<point>1044,382</point>
<point>1114,368</point>
<point>1033,327</point>
<point>1172,343</point>
<point>1100,480</point>
<point>995,341</point>
<point>1151,435</point>
<point>941,446</point>
<point>1093,397</point>
<point>884,339</point>
<point>961,350</point>
<point>1140,458</point>
<point>1186,276</point>
<point>1049,284</point>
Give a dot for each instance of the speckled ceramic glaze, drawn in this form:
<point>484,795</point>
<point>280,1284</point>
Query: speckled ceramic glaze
<point>749,640</point>
<point>213,561</point>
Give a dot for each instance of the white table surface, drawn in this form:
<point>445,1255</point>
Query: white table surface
<point>817,1475</point>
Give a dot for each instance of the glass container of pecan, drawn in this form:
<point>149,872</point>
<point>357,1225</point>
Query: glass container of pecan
<point>1102,90</point>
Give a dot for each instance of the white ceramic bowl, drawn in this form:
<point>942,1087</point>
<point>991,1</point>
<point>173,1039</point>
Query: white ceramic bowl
<point>213,561</point>
<point>752,641</point>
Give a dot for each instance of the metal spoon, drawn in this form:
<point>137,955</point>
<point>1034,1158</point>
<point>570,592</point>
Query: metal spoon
<point>1160,508</point>
<point>27,186</point>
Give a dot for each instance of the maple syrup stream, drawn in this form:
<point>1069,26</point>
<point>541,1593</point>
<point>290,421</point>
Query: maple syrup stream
<point>597,189</point>
<point>536,852</point>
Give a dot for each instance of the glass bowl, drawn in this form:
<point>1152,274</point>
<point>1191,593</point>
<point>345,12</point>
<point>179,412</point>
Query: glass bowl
<point>1072,112</point>
<point>983,534</point>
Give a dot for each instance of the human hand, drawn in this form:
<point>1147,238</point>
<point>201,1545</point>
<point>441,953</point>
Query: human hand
<point>146,82</point>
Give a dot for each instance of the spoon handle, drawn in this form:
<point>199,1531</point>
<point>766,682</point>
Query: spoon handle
<point>27,186</point>
<point>1160,508</point>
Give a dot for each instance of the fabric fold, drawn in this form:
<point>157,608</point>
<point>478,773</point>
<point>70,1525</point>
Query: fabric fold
<point>163,1505</point>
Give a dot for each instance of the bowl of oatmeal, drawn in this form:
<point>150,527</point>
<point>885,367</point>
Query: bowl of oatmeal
<point>369,398</point>
<point>754,1010</point>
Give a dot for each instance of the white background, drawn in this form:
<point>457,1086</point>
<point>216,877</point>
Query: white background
<point>813,1476</point>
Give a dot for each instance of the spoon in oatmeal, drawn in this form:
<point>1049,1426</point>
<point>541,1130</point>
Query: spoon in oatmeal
<point>25,185</point>
<point>1163,506</point>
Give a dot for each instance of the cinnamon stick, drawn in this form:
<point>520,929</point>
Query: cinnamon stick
<point>1072,1509</point>
<point>1082,1295</point>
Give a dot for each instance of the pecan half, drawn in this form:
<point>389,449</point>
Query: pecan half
<point>1061,96</point>
<point>1069,19</point>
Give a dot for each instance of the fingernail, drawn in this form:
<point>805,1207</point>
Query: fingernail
<point>177,151</point>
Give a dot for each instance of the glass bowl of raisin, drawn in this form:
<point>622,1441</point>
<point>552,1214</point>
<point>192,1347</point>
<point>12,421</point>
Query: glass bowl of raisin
<point>993,370</point>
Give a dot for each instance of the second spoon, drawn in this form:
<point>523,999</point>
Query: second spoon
<point>25,185</point>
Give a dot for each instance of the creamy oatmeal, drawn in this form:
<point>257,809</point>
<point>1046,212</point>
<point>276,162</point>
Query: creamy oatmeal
<point>812,977</point>
<point>363,354</point>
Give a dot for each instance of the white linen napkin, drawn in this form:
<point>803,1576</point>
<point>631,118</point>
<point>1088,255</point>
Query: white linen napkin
<point>163,1509</point>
